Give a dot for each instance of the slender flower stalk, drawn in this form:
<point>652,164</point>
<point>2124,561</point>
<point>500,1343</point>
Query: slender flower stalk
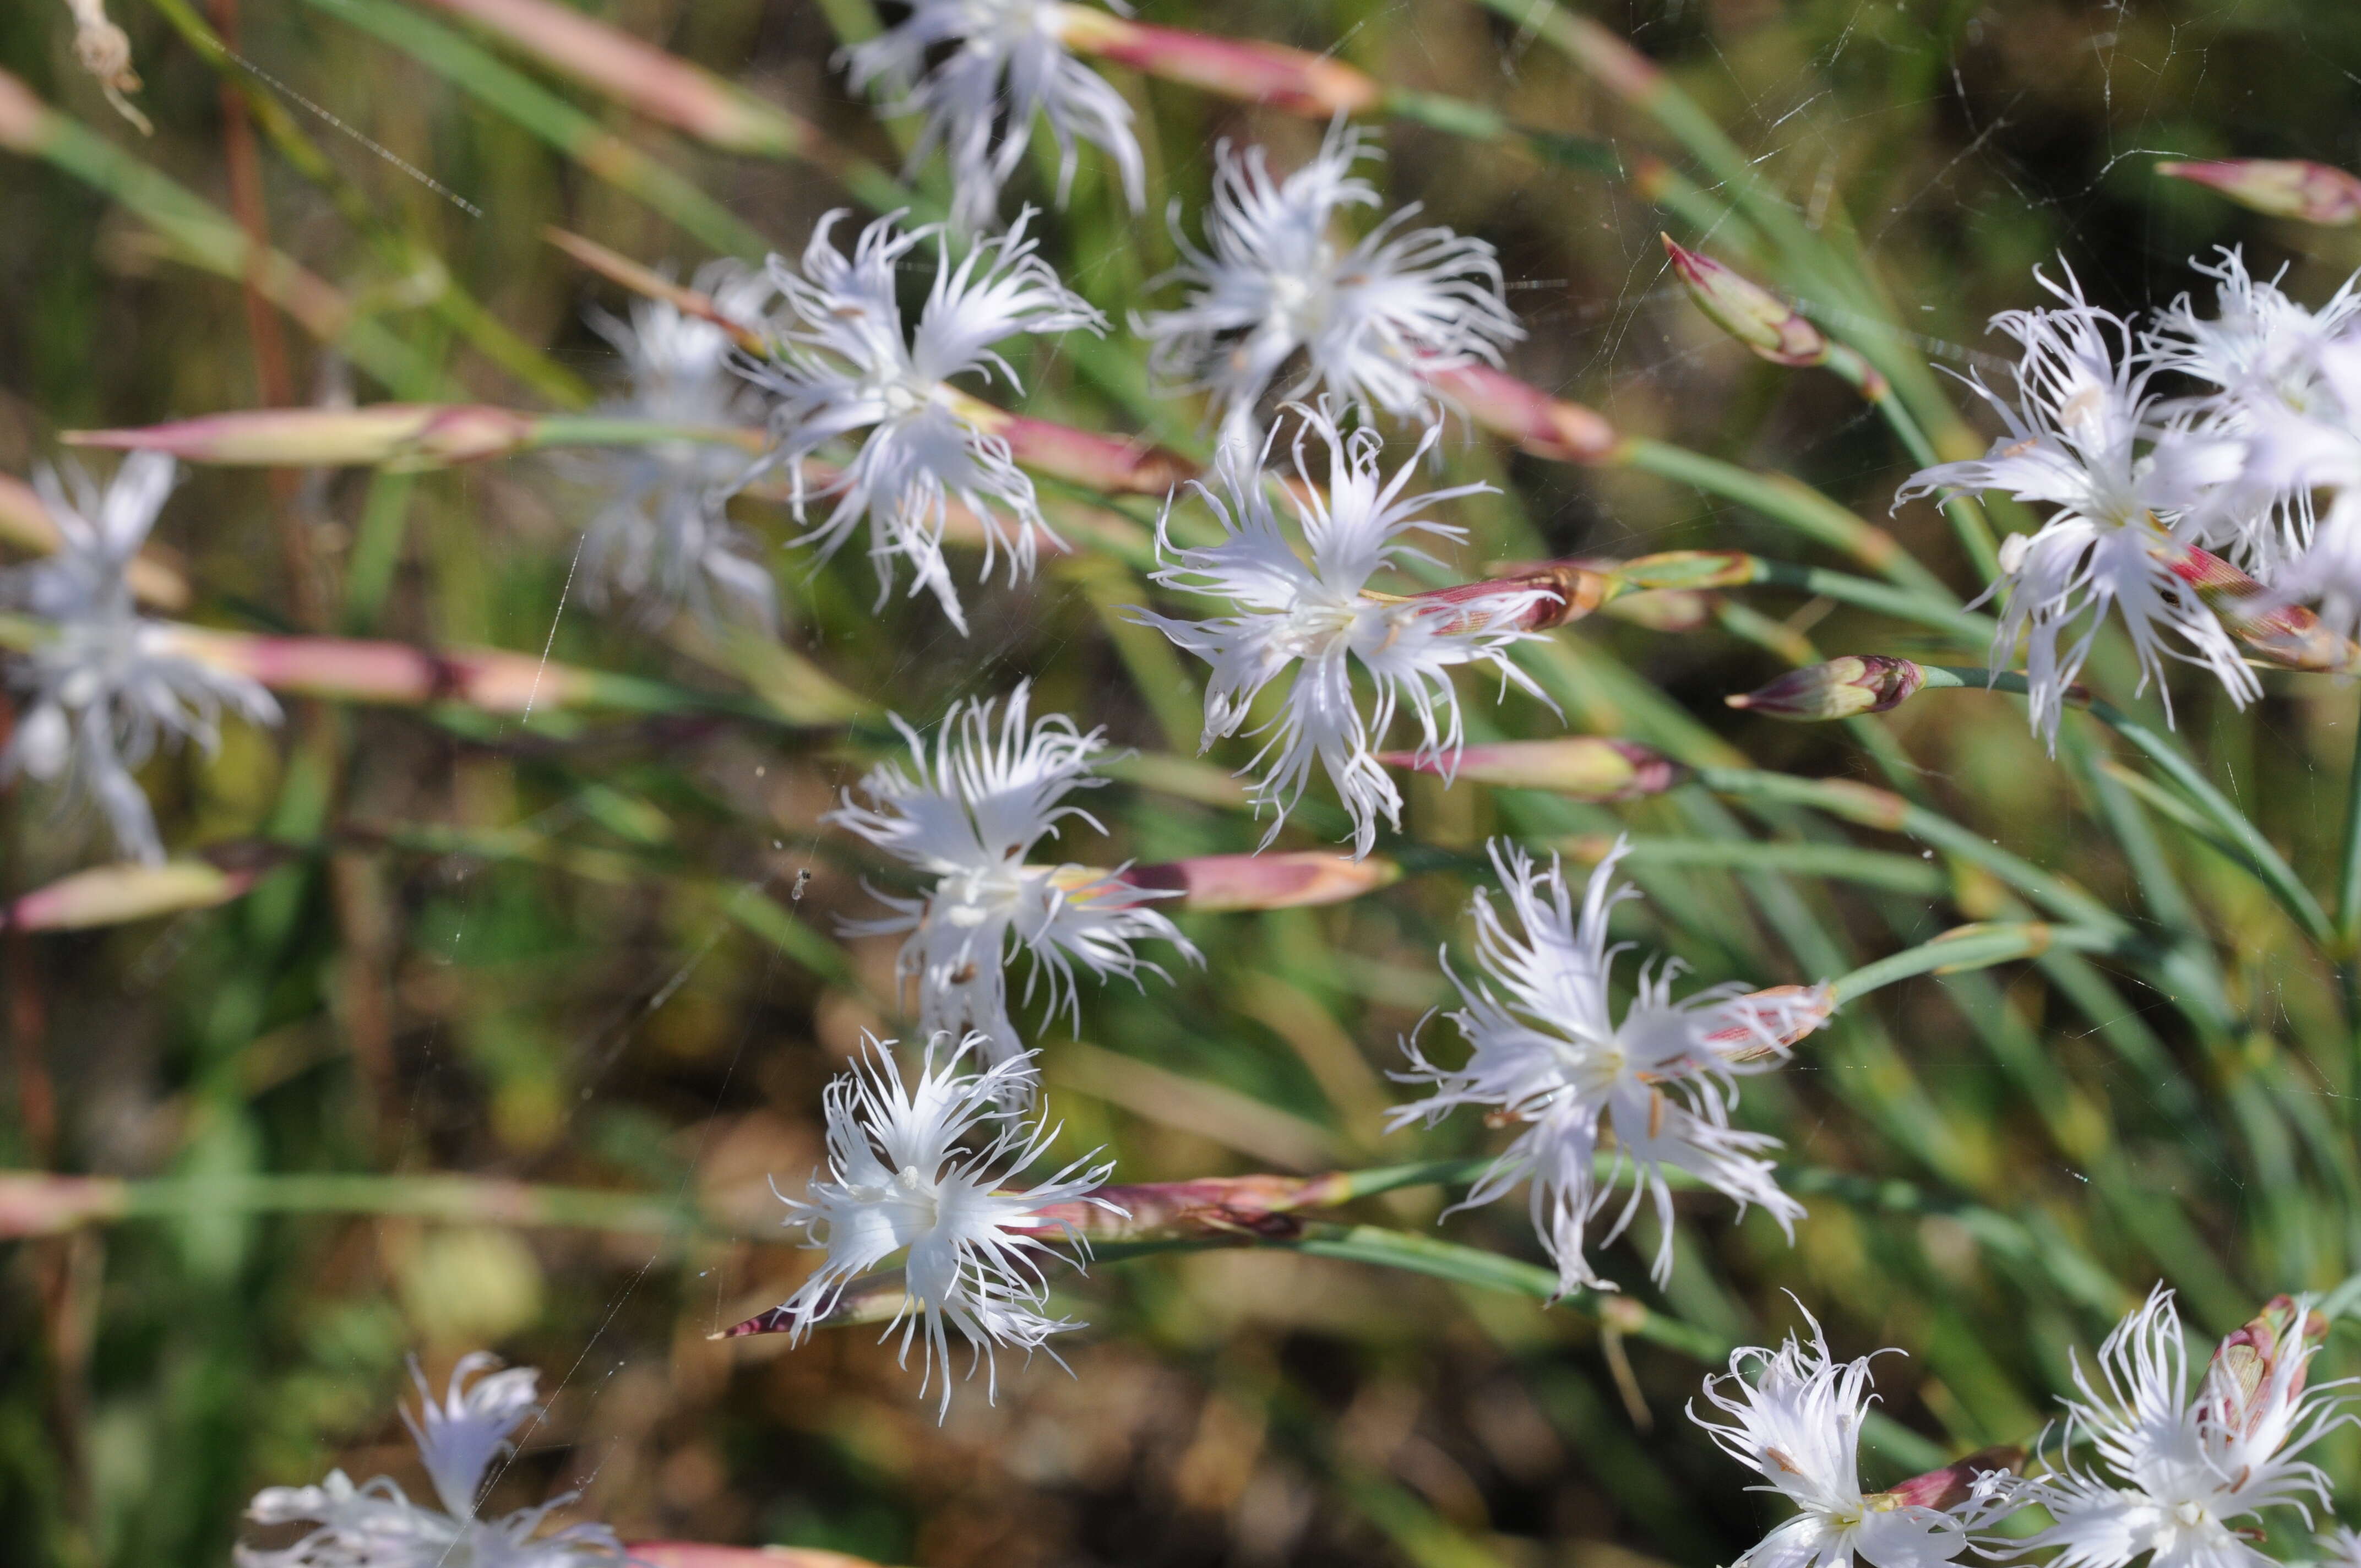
<point>1373,319</point>
<point>982,72</point>
<point>1314,622</point>
<point>376,1524</point>
<point>900,1182</point>
<point>981,801</point>
<point>107,686</point>
<point>1653,1088</point>
<point>848,364</point>
<point>2173,1471</point>
<point>1796,1423</point>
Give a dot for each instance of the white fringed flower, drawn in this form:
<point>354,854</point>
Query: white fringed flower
<point>998,65</point>
<point>2172,1473</point>
<point>977,807</point>
<point>899,1181</point>
<point>664,537</point>
<point>2339,1546</point>
<point>1276,277</point>
<point>851,365</point>
<point>103,691</point>
<point>2261,352</point>
<point>1313,620</point>
<point>2085,437</point>
<point>1654,1088</point>
<point>1796,1423</point>
<point>375,1525</point>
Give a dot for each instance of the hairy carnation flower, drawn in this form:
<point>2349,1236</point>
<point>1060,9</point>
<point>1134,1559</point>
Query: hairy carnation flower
<point>900,1183</point>
<point>851,365</point>
<point>1318,618</point>
<point>106,689</point>
<point>375,1525</point>
<point>975,810</point>
<point>999,64</point>
<point>1796,1423</point>
<point>663,536</point>
<point>2173,1472</point>
<point>2261,354</point>
<point>1274,277</point>
<point>2085,436</point>
<point>1654,1087</point>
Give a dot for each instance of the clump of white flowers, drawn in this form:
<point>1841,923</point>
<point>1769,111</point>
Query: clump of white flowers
<point>376,1524</point>
<point>969,814</point>
<point>2171,1471</point>
<point>996,66</point>
<point>848,363</point>
<point>1315,621</point>
<point>2088,436</point>
<point>2260,355</point>
<point>901,1180</point>
<point>105,687</point>
<point>1796,1423</point>
<point>1276,277</point>
<point>1652,1089</point>
<point>663,536</point>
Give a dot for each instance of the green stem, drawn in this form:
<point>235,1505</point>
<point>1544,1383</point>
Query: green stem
<point>1971,948</point>
<point>1789,501</point>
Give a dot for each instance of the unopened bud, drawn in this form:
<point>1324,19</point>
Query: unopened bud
<point>1842,688</point>
<point>2247,1360</point>
<point>1690,570</point>
<point>1747,310</point>
<point>2282,187</point>
<point>2284,635</point>
<point>1256,72</point>
<point>1221,882</point>
<point>384,435</point>
<point>1588,767</point>
<point>1947,1487</point>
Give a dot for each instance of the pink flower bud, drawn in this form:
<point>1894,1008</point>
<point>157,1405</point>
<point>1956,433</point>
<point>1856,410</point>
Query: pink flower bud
<point>1856,684</point>
<point>382,434</point>
<point>1947,1487</point>
<point>2287,636</point>
<point>1289,79</point>
<point>118,894</point>
<point>1747,310</point>
<point>24,119</point>
<point>2248,1358</point>
<point>1265,882</point>
<point>1117,465</point>
<point>1546,426</point>
<point>642,77</point>
<point>2283,187</point>
<point>1588,767</point>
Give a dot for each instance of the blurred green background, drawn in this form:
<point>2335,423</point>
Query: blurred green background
<point>563,989</point>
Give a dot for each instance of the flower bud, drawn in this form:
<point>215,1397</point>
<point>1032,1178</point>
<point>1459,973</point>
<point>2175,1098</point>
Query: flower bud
<point>2282,187</point>
<point>2286,636</point>
<point>1223,882</point>
<point>1747,310</point>
<point>1947,1487</point>
<point>642,78</point>
<point>1255,73</point>
<point>2248,1358</point>
<point>1588,767</point>
<point>1547,427</point>
<point>383,434</point>
<point>118,894</point>
<point>1856,684</point>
